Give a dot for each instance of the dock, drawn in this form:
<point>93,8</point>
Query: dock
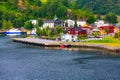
<point>54,43</point>
<point>37,42</point>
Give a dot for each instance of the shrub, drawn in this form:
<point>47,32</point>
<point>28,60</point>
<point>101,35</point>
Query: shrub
<point>117,35</point>
<point>82,36</point>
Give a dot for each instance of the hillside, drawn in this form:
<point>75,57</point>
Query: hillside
<point>17,12</point>
<point>100,6</point>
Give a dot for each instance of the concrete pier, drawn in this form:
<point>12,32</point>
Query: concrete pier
<point>37,42</point>
<point>53,43</point>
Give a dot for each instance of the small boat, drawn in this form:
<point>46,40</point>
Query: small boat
<point>13,32</point>
<point>62,46</point>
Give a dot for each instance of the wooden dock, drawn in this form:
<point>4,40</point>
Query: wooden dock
<point>53,43</point>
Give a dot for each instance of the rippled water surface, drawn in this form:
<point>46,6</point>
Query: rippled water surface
<point>24,62</point>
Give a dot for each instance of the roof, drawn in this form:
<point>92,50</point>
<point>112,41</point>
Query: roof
<point>48,21</point>
<point>75,29</point>
<point>103,27</point>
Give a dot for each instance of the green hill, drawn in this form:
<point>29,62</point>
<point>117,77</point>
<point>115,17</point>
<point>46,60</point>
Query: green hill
<point>17,12</point>
<point>100,6</point>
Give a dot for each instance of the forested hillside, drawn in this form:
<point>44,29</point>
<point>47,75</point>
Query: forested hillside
<point>17,12</point>
<point>100,6</point>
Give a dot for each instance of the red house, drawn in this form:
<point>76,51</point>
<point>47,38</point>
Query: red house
<point>87,28</point>
<point>109,28</point>
<point>76,31</point>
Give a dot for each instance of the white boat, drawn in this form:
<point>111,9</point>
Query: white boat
<point>13,32</point>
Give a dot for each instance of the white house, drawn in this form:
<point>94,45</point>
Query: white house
<point>70,23</point>
<point>48,23</point>
<point>81,23</point>
<point>68,38</point>
<point>100,23</point>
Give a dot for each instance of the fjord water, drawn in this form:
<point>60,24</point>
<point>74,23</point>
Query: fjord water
<point>24,62</point>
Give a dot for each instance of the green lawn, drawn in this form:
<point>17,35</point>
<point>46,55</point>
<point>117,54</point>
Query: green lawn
<point>108,41</point>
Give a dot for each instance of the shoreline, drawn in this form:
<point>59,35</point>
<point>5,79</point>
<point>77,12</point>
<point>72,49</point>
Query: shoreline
<point>53,43</point>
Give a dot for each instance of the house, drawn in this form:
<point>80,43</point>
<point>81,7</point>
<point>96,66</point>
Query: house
<point>100,23</point>
<point>87,28</point>
<point>81,23</point>
<point>76,31</point>
<point>107,29</point>
<point>116,29</point>
<point>53,23</point>
<point>48,23</point>
<point>68,38</point>
<point>70,23</point>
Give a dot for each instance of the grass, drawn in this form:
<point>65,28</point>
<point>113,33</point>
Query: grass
<point>107,41</point>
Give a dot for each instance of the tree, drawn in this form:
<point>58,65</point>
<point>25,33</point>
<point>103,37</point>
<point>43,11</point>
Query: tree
<point>47,31</point>
<point>8,16</point>
<point>107,30</point>
<point>111,18</point>
<point>13,2</point>
<point>38,31</point>
<point>10,25</point>
<point>38,2</point>
<point>40,22</point>
<point>117,35</point>
<point>52,7</point>
<point>75,25</point>
<point>1,19</point>
<point>42,11</point>
<point>6,25</point>
<point>98,17</point>
<point>66,24</point>
<point>28,25</point>
<point>58,30</point>
<point>91,19</point>
<point>73,4</point>
<point>80,14</point>
<point>62,11</point>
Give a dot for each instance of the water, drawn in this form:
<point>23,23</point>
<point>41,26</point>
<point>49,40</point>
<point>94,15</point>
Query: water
<point>24,62</point>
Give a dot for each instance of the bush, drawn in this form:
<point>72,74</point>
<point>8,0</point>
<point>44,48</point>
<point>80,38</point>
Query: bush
<point>38,31</point>
<point>82,36</point>
<point>117,35</point>
<point>95,33</point>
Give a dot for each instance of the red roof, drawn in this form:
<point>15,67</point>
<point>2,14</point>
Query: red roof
<point>76,31</point>
<point>111,28</point>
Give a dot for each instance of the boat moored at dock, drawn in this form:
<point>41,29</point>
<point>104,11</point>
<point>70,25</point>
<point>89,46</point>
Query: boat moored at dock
<point>13,32</point>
